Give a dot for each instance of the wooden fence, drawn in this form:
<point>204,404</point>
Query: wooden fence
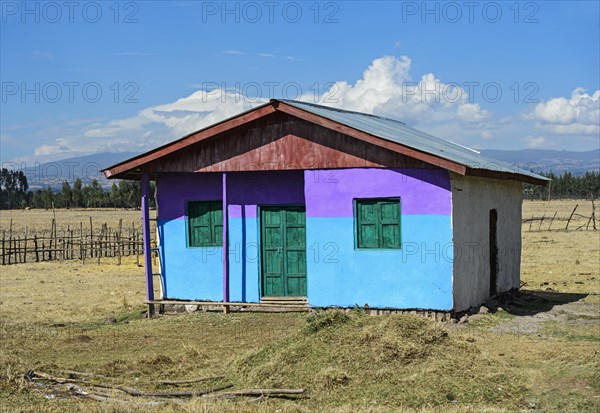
<point>85,243</point>
<point>580,221</point>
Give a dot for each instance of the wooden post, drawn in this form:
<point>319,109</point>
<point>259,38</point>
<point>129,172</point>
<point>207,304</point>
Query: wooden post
<point>119,241</point>
<point>552,220</point>
<point>61,247</point>
<point>52,237</point>
<point>17,249</point>
<point>225,247</point>
<point>531,222</point>
<point>25,247</point>
<point>91,243</point>
<point>135,246</point>
<point>99,252</point>
<point>542,220</point>
<point>81,246</point>
<point>146,234</point>
<point>72,245</point>
<point>571,216</point>
<point>35,246</point>
<point>593,215</point>
<point>10,242</point>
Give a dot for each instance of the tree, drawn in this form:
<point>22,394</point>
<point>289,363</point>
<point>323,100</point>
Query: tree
<point>67,195</point>
<point>93,195</point>
<point>38,199</point>
<point>130,193</point>
<point>48,197</point>
<point>76,194</point>
<point>13,189</point>
<point>115,196</point>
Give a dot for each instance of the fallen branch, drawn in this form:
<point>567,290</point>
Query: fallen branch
<point>140,393</point>
<point>80,373</point>
<point>187,381</point>
<point>256,392</point>
<point>109,399</point>
<point>38,375</point>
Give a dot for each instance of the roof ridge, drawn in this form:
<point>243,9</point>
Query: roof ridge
<point>336,109</point>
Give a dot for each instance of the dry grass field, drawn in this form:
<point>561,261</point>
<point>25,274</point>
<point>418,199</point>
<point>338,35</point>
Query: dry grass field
<point>558,260</point>
<point>40,220</point>
<point>541,354</point>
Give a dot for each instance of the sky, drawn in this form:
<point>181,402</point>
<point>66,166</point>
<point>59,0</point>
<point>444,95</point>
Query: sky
<point>79,78</point>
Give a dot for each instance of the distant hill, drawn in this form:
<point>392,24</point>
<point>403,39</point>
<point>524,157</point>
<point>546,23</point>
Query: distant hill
<point>544,160</point>
<point>88,167</point>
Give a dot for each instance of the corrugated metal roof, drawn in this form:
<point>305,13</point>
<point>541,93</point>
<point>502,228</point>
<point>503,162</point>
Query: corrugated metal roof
<point>396,131</point>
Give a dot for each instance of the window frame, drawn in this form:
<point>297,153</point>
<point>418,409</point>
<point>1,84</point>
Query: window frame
<point>377,200</point>
<point>188,223</point>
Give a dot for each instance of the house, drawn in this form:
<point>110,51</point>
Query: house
<point>324,207</point>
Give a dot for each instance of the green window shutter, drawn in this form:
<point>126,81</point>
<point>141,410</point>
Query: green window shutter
<point>378,223</point>
<point>205,223</point>
<point>367,224</point>
<point>217,224</point>
<point>389,224</point>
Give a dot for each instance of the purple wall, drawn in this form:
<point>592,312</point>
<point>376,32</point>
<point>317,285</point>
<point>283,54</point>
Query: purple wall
<point>263,188</point>
<point>176,188</point>
<point>331,192</point>
<point>247,189</point>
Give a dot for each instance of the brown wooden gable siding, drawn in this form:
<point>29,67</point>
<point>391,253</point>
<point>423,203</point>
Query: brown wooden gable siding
<point>279,142</point>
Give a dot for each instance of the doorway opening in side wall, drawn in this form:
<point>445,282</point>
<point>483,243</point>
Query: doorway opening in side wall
<point>493,242</point>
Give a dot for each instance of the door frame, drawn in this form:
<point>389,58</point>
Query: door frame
<point>259,209</point>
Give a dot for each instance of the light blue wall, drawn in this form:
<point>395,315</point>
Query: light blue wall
<point>244,260</point>
<point>417,276</point>
<point>190,273</point>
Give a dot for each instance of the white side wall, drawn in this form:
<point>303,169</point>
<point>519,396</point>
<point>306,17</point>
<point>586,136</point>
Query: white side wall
<point>472,200</point>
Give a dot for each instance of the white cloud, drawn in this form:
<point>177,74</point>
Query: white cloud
<point>472,113</point>
<point>536,142</point>
<point>579,115</point>
<point>60,146</point>
<point>486,135</point>
<point>157,125</point>
<point>387,89</point>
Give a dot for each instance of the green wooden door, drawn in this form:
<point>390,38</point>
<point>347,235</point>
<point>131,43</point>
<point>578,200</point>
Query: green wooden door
<point>283,249</point>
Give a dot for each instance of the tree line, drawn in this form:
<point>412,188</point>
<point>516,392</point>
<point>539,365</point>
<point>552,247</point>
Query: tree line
<point>14,194</point>
<point>566,186</point>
